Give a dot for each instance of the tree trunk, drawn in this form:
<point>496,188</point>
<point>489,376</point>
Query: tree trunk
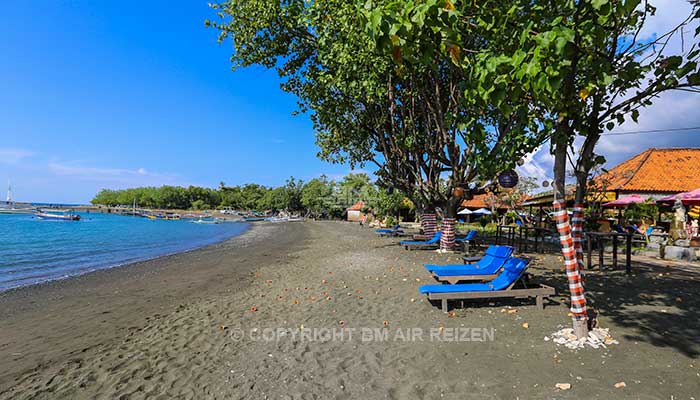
<point>447,240</point>
<point>561,216</point>
<point>429,222</point>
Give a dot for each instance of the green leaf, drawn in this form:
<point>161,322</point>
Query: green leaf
<point>635,115</point>
<point>598,3</point>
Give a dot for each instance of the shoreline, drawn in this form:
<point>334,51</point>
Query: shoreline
<point>127,264</point>
<point>193,326</point>
<point>47,323</point>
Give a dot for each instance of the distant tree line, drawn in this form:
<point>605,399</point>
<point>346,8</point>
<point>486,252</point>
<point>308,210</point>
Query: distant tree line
<point>319,197</point>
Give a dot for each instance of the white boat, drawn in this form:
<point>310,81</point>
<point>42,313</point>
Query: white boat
<point>10,205</point>
<point>57,215</point>
<point>207,221</point>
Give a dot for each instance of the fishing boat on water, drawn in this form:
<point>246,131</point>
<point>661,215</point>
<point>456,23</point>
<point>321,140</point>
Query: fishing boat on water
<point>57,215</point>
<point>164,217</point>
<point>207,220</point>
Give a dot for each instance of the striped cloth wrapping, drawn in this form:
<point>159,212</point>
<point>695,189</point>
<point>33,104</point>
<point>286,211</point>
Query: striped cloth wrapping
<point>578,300</point>
<point>429,223</point>
<point>447,240</point>
<point>577,236</point>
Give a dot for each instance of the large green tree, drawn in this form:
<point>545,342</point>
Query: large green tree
<point>581,67</point>
<point>403,108</point>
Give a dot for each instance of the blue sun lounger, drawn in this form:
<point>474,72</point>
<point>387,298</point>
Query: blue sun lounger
<point>486,269</point>
<point>433,242</point>
<point>492,252</point>
<point>393,231</point>
<point>501,286</point>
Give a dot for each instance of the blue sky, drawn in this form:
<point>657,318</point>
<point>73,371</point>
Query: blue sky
<point>123,93</point>
<point>114,94</point>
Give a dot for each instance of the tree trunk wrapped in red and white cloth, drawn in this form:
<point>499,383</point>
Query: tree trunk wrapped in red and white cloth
<point>447,240</point>
<point>429,224</point>
<point>578,300</point>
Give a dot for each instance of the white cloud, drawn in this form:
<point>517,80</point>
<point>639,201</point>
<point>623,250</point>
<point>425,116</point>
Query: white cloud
<point>109,176</point>
<point>538,164</point>
<point>673,109</point>
<point>14,156</point>
<point>669,13</point>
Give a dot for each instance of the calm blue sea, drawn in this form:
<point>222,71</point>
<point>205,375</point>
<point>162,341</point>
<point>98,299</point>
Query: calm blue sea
<point>33,250</point>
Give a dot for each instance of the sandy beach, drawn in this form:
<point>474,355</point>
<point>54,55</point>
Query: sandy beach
<point>226,322</point>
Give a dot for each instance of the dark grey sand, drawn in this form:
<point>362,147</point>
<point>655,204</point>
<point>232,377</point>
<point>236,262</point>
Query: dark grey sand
<point>204,325</point>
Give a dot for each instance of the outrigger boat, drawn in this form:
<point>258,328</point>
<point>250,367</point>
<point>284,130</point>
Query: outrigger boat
<point>57,215</point>
<point>207,220</point>
<point>165,217</point>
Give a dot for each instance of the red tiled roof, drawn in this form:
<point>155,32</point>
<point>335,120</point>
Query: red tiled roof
<point>479,201</point>
<point>656,170</point>
<point>357,206</point>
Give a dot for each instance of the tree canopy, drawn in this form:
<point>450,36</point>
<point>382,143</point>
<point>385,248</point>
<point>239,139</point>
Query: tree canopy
<point>320,197</point>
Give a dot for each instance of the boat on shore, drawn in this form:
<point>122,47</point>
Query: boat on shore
<point>57,215</point>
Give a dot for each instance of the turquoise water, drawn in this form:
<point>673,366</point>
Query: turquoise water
<point>33,251</point>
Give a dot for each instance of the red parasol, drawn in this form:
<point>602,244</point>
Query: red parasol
<point>626,201</point>
<point>691,198</point>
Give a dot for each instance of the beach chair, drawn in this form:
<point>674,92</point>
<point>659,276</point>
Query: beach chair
<point>486,269</point>
<point>396,230</point>
<point>467,240</point>
<point>505,252</point>
<point>503,286</point>
<point>433,242</point>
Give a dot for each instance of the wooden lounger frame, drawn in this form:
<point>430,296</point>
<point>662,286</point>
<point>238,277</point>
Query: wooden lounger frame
<point>539,293</point>
<point>453,279</point>
<point>423,246</point>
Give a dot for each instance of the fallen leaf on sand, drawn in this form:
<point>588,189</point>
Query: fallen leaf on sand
<point>253,309</point>
<point>526,325</point>
<point>563,386</point>
<point>620,385</point>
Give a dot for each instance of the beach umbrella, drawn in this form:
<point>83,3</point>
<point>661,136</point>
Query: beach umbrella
<point>466,211</point>
<point>687,198</point>
<point>482,211</point>
<point>625,201</point>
